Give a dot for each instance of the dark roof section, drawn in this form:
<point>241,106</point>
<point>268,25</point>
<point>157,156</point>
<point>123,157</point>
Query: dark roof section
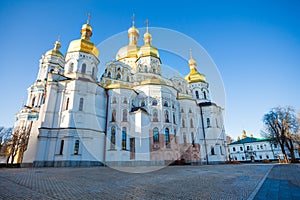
<point>207,104</point>
<point>134,109</point>
<point>250,140</point>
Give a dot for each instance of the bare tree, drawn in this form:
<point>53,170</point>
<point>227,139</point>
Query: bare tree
<point>18,144</point>
<point>5,135</point>
<point>281,125</point>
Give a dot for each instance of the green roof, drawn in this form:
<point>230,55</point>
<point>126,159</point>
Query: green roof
<point>250,140</point>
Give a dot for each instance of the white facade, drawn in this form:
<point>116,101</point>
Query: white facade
<point>255,149</point>
<point>131,115</point>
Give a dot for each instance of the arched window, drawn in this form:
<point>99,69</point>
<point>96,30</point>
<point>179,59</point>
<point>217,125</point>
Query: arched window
<point>155,135</point>
<point>109,75</point>
<point>208,122</point>
<point>166,104</point>
<point>67,104</point>
<point>182,111</point>
<point>125,100</point>
<point>204,94</point>
<point>114,116</point>
<point>197,94</point>
<point>184,138</point>
<point>154,70</point>
<point>33,102</point>
<point>193,139</point>
<point>81,104</point>
<point>127,79</point>
<point>83,68</point>
<point>191,123</point>
<point>174,121</point>
<point>124,115</point>
<point>61,149</point>
<point>155,116</point>
<point>113,138</point>
<point>114,100</point>
<point>71,67</point>
<point>212,150</point>
<point>190,110</point>
<point>217,124</point>
<point>167,116</point>
<point>154,102</point>
<point>124,136</point>
<point>118,76</point>
<point>93,72</point>
<point>167,137</point>
<point>76,147</point>
<point>146,68</point>
<point>183,123</point>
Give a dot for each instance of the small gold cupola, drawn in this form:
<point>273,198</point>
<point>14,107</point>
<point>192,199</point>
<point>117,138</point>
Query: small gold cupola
<point>147,49</point>
<point>194,76</point>
<point>84,44</point>
<point>130,50</point>
<point>133,33</point>
<point>55,51</point>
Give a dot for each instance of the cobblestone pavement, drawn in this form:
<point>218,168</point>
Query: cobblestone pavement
<point>283,182</point>
<point>174,182</point>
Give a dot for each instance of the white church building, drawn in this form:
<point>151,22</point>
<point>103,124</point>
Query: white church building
<point>130,115</point>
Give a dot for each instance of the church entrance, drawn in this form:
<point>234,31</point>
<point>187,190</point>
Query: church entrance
<point>132,148</point>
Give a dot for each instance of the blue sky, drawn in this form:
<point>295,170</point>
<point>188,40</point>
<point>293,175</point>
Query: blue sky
<point>255,45</point>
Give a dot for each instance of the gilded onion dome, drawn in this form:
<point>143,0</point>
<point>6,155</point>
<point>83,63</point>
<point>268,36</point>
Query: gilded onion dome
<point>55,51</point>
<point>130,50</point>
<point>84,44</point>
<point>194,76</point>
<point>147,49</point>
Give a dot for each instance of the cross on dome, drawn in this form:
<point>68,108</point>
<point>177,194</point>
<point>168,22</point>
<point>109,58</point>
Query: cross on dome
<point>88,18</point>
<point>191,53</point>
<point>132,17</point>
<point>147,24</point>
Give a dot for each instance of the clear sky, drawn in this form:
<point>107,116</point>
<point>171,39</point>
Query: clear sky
<point>255,45</point>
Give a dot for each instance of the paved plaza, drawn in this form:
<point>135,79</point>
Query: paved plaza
<point>246,181</point>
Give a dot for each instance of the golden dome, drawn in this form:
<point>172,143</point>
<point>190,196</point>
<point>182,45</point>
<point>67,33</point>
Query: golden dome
<point>84,44</point>
<point>133,30</point>
<point>55,51</point>
<point>244,134</point>
<point>147,49</point>
<point>130,50</point>
<point>194,76</point>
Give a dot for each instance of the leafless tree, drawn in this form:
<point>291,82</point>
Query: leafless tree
<point>281,125</point>
<point>18,144</point>
<point>5,135</point>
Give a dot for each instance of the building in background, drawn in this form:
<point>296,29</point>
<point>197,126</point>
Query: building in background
<point>255,149</point>
<point>132,114</point>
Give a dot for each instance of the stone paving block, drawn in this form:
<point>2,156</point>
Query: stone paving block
<point>174,182</point>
